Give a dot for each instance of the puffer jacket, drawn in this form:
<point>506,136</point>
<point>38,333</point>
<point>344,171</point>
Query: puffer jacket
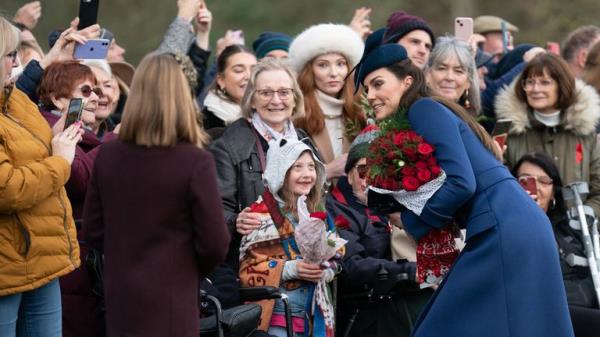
<point>38,240</point>
<point>573,143</point>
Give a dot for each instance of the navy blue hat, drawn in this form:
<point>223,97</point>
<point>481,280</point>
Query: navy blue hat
<point>381,56</point>
<point>269,41</point>
<point>511,59</point>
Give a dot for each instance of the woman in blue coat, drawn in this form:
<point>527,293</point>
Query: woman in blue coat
<point>507,280</point>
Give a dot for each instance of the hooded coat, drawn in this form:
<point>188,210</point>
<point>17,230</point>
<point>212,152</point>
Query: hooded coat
<point>572,144</point>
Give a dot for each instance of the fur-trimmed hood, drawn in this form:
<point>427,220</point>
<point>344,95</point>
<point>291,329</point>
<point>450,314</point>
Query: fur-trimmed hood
<point>322,39</point>
<point>581,117</point>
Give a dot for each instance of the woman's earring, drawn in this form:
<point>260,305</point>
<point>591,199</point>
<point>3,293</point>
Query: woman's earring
<point>467,102</point>
<point>553,203</point>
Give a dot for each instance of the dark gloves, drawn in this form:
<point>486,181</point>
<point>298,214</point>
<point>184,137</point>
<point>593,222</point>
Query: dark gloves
<point>383,203</point>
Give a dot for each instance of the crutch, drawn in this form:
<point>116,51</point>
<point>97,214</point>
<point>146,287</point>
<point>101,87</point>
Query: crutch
<point>574,191</point>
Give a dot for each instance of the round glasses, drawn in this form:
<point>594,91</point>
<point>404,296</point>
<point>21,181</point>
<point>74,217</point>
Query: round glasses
<point>530,83</point>
<point>268,94</point>
<point>86,91</point>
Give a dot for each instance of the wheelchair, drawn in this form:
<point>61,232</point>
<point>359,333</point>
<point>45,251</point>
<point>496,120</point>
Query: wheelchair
<point>242,320</point>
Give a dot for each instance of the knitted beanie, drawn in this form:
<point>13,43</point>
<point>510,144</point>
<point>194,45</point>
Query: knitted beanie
<point>269,41</point>
<point>282,154</point>
<point>401,23</point>
<point>360,146</point>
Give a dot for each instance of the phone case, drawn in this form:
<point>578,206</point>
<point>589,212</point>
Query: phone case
<point>92,49</point>
<point>88,13</point>
<point>463,28</point>
<point>74,111</point>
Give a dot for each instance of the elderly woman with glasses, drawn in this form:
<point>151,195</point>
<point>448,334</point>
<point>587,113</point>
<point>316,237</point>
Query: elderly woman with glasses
<point>554,113</point>
<point>271,98</point>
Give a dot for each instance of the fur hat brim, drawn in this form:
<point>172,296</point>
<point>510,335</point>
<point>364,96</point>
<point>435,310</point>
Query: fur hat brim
<point>323,39</point>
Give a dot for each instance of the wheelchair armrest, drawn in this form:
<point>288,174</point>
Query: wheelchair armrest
<point>259,293</point>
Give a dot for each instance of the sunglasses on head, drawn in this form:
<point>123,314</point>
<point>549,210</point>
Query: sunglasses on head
<point>86,91</point>
<point>362,171</point>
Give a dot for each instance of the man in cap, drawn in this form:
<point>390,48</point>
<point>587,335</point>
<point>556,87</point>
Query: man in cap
<point>491,28</point>
<point>413,33</point>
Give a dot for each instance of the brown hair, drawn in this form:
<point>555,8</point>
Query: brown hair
<point>160,110</point>
<point>313,120</point>
<point>558,70</point>
<point>60,79</point>
<point>591,72</point>
<point>221,63</point>
<point>264,65</point>
<point>418,89</point>
<point>313,199</point>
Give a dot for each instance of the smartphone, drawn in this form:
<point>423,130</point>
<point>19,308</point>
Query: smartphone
<point>463,28</point>
<point>529,183</point>
<point>553,47</point>
<point>92,49</point>
<point>74,112</point>
<point>505,37</point>
<point>88,13</point>
<point>239,35</point>
<point>500,132</point>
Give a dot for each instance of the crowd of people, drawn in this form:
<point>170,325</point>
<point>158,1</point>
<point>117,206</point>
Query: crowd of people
<point>184,173</point>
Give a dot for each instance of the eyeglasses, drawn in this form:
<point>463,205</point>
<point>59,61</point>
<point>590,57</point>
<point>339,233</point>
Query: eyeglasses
<point>543,83</point>
<point>86,91</point>
<point>12,55</point>
<point>362,171</point>
<point>268,94</point>
<point>544,180</point>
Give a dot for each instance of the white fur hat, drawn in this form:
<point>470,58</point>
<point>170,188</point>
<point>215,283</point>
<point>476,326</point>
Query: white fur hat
<point>322,39</point>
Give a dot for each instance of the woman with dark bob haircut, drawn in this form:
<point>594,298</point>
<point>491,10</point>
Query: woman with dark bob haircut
<point>579,286</point>
<point>554,113</point>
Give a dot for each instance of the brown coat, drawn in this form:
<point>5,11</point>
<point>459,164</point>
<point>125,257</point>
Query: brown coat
<point>157,215</point>
<point>577,130</point>
<point>38,241</point>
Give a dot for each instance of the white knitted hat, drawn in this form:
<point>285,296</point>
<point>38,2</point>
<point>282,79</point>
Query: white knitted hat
<point>281,156</point>
<point>322,39</point>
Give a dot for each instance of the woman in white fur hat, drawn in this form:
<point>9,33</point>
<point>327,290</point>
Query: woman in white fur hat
<point>322,56</point>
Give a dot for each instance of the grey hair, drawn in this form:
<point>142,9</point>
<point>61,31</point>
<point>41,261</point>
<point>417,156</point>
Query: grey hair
<point>271,64</point>
<point>447,47</point>
<point>582,37</point>
<point>101,64</point>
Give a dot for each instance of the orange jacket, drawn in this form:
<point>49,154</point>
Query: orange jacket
<point>38,239</point>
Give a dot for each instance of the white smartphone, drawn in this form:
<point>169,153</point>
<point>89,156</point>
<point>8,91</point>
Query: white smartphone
<point>463,28</point>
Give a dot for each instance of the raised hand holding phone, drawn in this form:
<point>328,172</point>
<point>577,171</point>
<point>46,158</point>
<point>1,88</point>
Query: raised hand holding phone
<point>73,112</point>
<point>88,13</point>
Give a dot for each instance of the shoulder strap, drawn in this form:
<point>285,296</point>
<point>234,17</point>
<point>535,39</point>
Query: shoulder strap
<point>259,148</point>
<point>271,203</point>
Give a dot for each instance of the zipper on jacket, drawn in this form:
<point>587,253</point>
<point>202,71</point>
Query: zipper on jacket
<point>25,234</point>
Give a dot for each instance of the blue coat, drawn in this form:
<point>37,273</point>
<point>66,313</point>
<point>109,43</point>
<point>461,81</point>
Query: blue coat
<point>507,281</point>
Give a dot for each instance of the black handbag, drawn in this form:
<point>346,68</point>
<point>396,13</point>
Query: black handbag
<point>239,321</point>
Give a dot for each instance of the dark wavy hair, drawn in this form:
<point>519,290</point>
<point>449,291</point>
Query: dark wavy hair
<point>546,163</point>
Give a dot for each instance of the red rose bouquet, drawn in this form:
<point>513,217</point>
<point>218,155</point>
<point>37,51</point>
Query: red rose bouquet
<point>402,165</point>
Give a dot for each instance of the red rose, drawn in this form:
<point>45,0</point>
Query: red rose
<point>431,161</point>
<point>425,149</point>
<point>411,135</point>
<point>409,151</point>
<point>410,183</point>
<point>421,165</point>
<point>424,175</point>
<point>259,208</point>
<point>390,155</point>
<point>341,222</point>
<point>319,215</point>
<point>436,170</point>
<point>409,171</point>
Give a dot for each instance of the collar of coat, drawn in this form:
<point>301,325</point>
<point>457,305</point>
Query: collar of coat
<point>581,117</point>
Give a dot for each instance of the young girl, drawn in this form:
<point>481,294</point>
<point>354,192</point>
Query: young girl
<point>269,256</point>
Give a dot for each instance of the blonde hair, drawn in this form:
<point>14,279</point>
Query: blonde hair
<point>9,41</point>
<point>160,109</point>
<point>264,65</point>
